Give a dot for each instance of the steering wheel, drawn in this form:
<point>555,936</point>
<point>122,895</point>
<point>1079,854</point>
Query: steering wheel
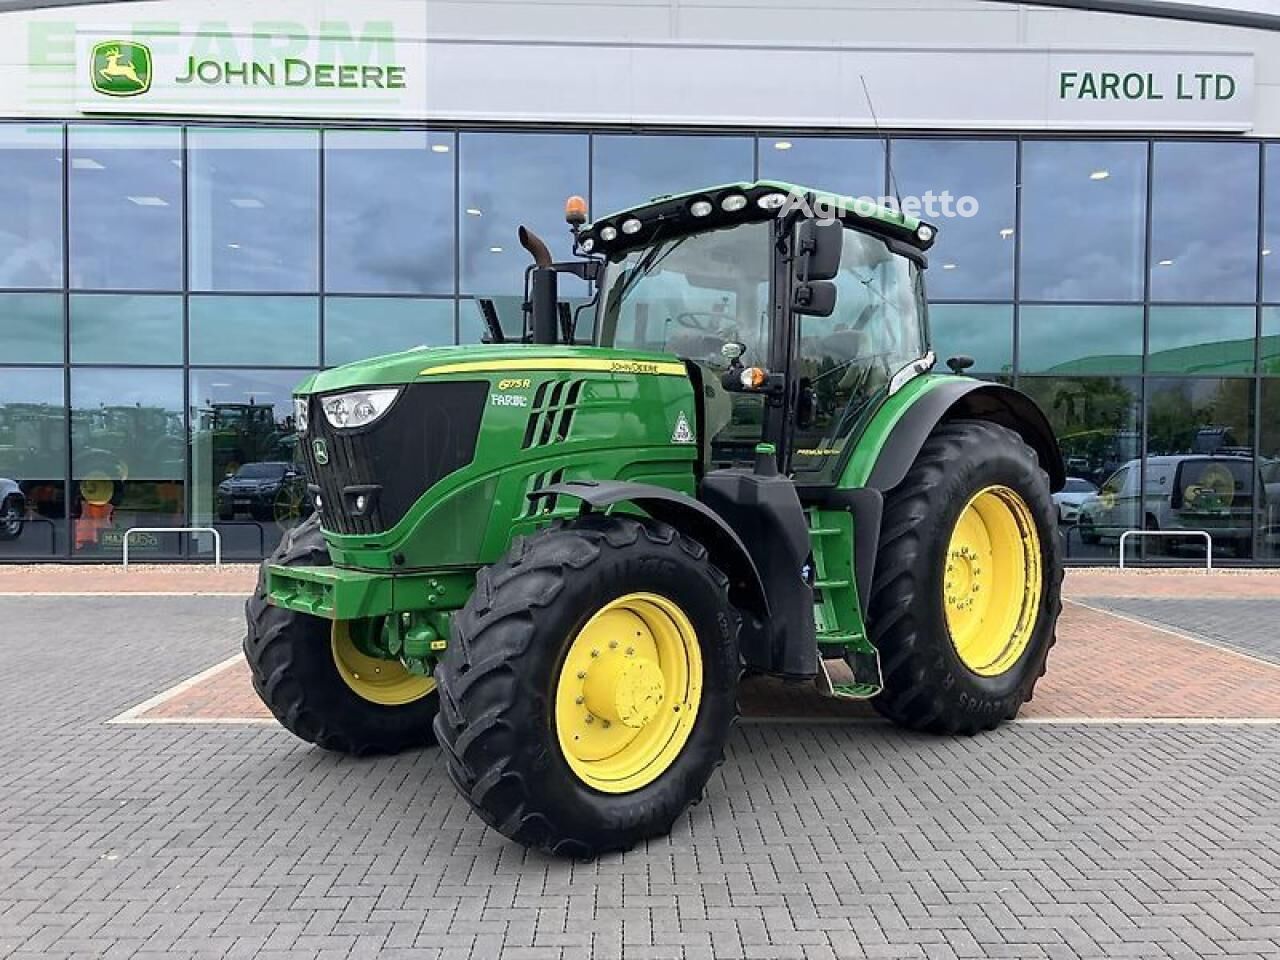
<point>693,320</point>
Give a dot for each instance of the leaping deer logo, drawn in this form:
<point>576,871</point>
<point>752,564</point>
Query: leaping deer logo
<point>115,68</point>
<point>121,69</point>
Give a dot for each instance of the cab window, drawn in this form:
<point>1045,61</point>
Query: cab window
<point>847,359</point>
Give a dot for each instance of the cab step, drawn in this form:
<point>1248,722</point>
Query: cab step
<point>837,680</point>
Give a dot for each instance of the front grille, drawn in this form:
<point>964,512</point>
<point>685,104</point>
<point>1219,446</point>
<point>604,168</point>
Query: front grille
<point>430,431</point>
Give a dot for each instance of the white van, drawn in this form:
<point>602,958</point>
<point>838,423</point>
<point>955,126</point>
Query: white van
<point>1185,492</point>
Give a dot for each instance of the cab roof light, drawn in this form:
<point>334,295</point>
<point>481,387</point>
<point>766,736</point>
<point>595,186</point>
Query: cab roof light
<point>575,211</point>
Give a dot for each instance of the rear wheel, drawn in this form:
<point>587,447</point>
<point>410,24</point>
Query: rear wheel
<point>315,679</point>
<point>966,593</point>
<point>590,685</point>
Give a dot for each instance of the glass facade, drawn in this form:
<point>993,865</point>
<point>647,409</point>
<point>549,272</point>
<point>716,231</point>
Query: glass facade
<point>163,286</point>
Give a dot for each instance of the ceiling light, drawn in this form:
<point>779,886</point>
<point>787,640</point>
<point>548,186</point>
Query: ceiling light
<point>439,148</point>
<point>1099,174</point>
<point>85,163</point>
<point>771,201</point>
<point>782,145</point>
<point>1166,263</point>
<point>948,266</point>
<point>495,249</point>
<point>608,234</point>
<point>148,201</point>
<point>631,225</point>
<point>733,202</point>
<point>474,212</point>
<point>247,203</point>
<point>1006,233</point>
<point>700,208</point>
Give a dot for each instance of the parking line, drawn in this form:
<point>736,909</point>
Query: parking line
<point>1193,638</point>
<point>135,713</point>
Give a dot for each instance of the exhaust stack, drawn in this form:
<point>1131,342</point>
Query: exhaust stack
<point>543,294</point>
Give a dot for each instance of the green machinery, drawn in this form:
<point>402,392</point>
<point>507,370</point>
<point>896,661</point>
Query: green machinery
<point>556,555</point>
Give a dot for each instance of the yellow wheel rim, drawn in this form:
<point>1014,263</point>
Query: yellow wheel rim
<point>385,682</point>
<point>628,693</point>
<point>992,581</point>
<point>97,491</point>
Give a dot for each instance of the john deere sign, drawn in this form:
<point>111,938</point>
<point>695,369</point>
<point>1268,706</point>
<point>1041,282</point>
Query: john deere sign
<point>120,68</point>
<point>271,68</point>
<point>293,72</point>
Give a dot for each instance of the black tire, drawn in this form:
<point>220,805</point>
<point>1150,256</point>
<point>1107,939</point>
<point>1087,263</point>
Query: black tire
<point>926,685</point>
<point>294,672</point>
<point>11,519</point>
<point>497,682</point>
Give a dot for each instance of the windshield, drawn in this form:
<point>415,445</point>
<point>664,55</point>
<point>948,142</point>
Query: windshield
<point>261,471</point>
<point>690,294</point>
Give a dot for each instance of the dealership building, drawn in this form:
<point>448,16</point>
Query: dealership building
<point>202,202</point>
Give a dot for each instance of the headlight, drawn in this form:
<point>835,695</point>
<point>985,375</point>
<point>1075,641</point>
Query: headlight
<point>359,408</point>
<point>300,405</point>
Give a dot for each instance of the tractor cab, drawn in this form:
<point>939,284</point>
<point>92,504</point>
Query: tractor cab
<point>795,326</point>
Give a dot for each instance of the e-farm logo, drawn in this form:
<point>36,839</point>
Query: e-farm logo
<point>120,68</point>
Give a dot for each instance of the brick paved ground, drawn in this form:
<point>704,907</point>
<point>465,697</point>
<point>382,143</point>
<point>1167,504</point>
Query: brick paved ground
<point>1102,667</point>
<point>238,578</point>
<point>1248,624</point>
<point>844,840</point>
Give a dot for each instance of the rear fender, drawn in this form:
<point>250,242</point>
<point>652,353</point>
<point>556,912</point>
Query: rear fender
<point>961,398</point>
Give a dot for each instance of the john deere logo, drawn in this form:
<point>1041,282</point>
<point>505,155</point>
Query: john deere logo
<point>121,69</point>
<point>321,450</point>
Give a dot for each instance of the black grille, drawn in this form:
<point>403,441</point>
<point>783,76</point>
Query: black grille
<point>554,404</point>
<point>430,431</point>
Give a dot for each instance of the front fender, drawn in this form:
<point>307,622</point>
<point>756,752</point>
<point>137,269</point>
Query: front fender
<point>687,515</point>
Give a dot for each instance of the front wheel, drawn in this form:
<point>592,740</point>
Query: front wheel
<point>313,676</point>
<point>11,519</point>
<point>590,685</point>
<point>966,592</point>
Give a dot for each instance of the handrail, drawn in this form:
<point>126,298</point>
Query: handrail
<point>1208,553</point>
<point>217,539</point>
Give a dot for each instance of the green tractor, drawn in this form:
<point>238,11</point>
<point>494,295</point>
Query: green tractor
<point>557,556</point>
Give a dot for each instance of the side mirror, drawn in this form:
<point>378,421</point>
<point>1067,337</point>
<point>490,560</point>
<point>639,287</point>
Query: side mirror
<point>814,299</point>
<point>818,248</point>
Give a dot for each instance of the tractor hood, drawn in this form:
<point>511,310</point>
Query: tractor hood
<point>480,361</point>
